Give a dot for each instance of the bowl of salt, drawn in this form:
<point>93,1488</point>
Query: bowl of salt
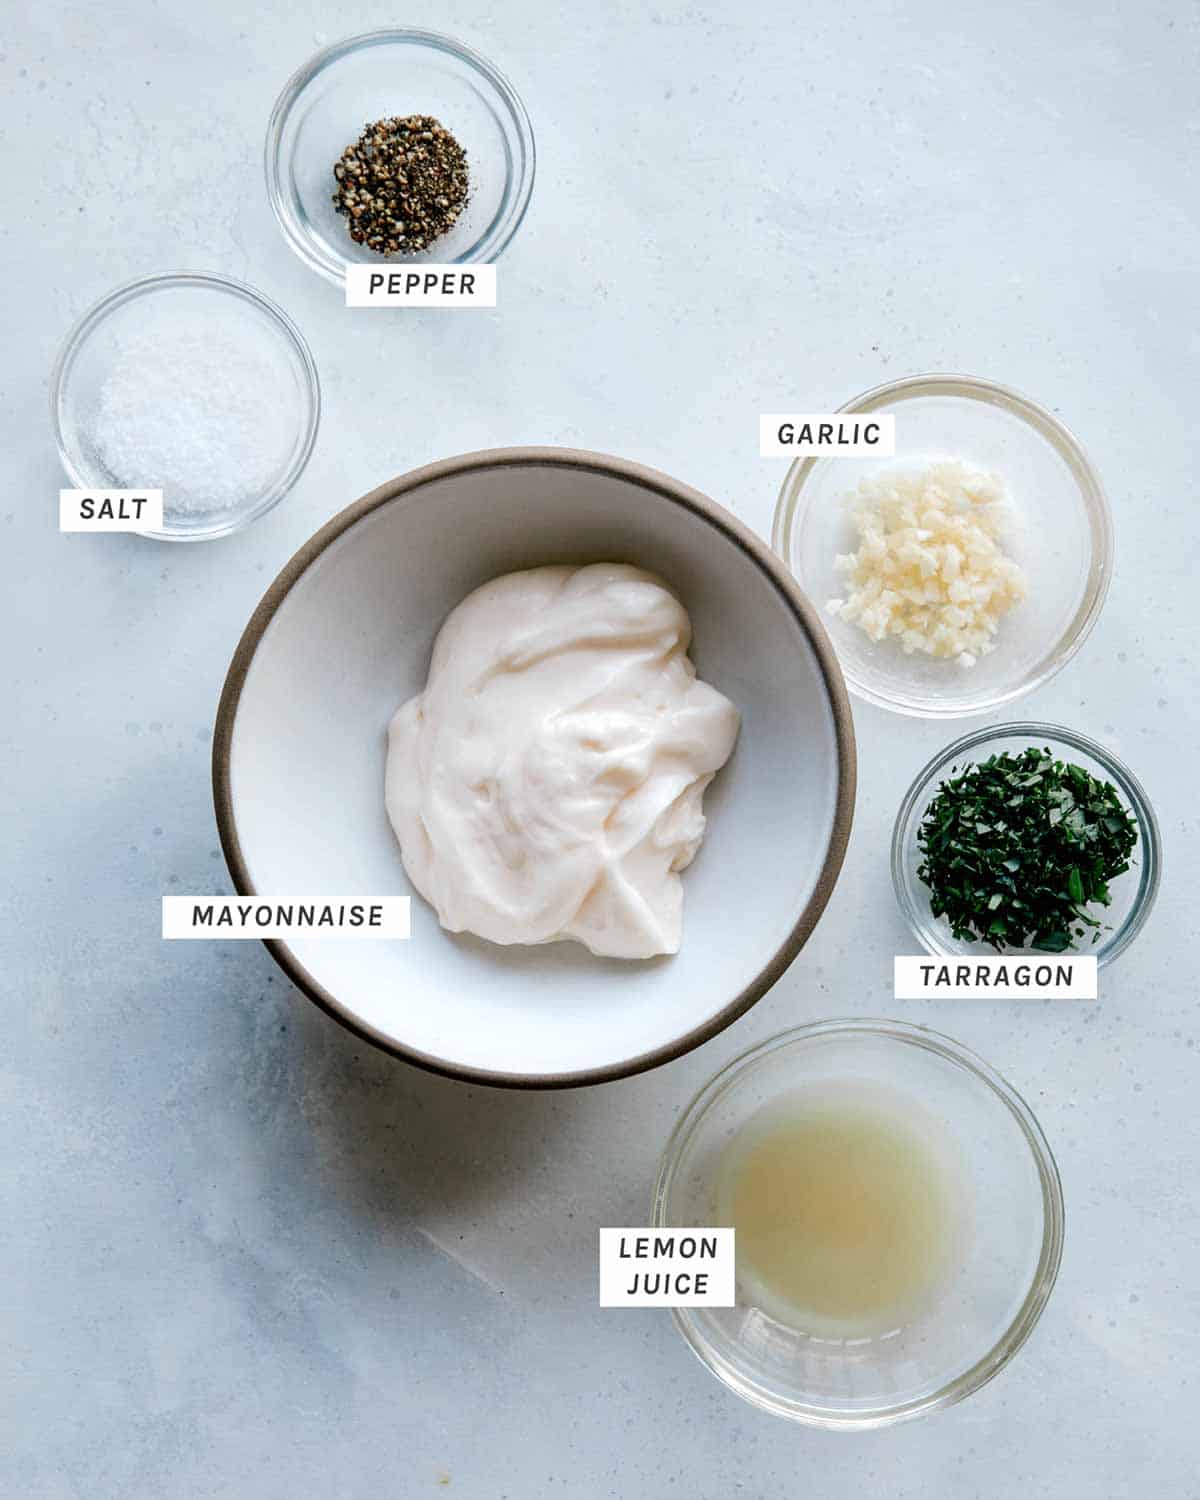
<point>192,384</point>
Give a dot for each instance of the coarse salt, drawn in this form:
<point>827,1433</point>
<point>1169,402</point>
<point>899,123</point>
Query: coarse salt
<point>197,407</point>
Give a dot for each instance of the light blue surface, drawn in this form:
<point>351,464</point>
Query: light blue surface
<point>242,1255</point>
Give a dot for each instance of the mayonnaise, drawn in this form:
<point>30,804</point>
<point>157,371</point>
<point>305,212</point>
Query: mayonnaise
<point>548,782</point>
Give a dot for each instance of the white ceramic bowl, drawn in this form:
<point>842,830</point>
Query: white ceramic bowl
<point>343,637</point>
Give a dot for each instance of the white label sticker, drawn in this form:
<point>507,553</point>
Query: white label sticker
<point>256,917</point>
<point>110,510</point>
<point>666,1268</point>
<point>835,435</point>
<point>419,284</point>
<point>1060,976</point>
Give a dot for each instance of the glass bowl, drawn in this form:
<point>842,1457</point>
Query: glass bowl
<point>1133,893</point>
<point>134,314</point>
<point>1007,1254</point>
<point>1061,534</point>
<point>325,105</point>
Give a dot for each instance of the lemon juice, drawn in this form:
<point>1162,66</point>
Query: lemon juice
<point>850,1209</point>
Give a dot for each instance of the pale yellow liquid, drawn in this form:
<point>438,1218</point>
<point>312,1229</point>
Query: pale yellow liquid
<point>849,1207</point>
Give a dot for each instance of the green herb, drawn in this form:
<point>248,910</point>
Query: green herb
<point>402,184</point>
<point>1016,849</point>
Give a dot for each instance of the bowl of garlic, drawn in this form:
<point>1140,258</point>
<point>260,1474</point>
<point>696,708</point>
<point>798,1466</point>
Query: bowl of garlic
<point>967,569</point>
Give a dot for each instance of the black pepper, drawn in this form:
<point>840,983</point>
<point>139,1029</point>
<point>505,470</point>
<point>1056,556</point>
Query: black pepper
<point>402,184</point>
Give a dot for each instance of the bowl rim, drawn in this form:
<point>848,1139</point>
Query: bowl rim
<point>789,506</point>
<point>408,488</point>
<point>904,880</point>
<point>1042,1281</point>
<point>499,234</point>
<point>128,291</point>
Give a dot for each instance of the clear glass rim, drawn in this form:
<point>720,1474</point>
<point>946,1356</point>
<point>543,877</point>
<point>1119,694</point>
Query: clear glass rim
<point>790,507</point>
<point>85,326</point>
<point>1041,1284</point>
<point>904,881</point>
<point>499,233</point>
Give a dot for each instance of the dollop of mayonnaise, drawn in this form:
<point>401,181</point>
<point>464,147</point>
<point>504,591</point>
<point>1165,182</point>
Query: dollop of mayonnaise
<point>548,782</point>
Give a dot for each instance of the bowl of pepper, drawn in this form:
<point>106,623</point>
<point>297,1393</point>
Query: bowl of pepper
<point>1026,838</point>
<point>398,145</point>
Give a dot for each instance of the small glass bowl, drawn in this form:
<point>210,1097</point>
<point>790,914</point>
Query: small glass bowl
<point>1061,534</point>
<point>325,105</point>
<point>132,310</point>
<point>1133,893</point>
<point>1008,1257</point>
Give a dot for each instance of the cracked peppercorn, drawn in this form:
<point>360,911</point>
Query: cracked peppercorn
<point>402,184</point>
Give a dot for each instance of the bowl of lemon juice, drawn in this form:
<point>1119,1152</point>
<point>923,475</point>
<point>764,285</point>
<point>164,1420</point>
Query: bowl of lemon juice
<point>898,1219</point>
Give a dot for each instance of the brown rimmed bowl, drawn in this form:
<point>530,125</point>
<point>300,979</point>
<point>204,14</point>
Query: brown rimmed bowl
<point>343,637</point>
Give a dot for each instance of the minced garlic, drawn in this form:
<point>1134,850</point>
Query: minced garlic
<point>929,571</point>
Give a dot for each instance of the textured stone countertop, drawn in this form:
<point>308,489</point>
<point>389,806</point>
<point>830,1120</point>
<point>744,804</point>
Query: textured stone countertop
<point>241,1254</point>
